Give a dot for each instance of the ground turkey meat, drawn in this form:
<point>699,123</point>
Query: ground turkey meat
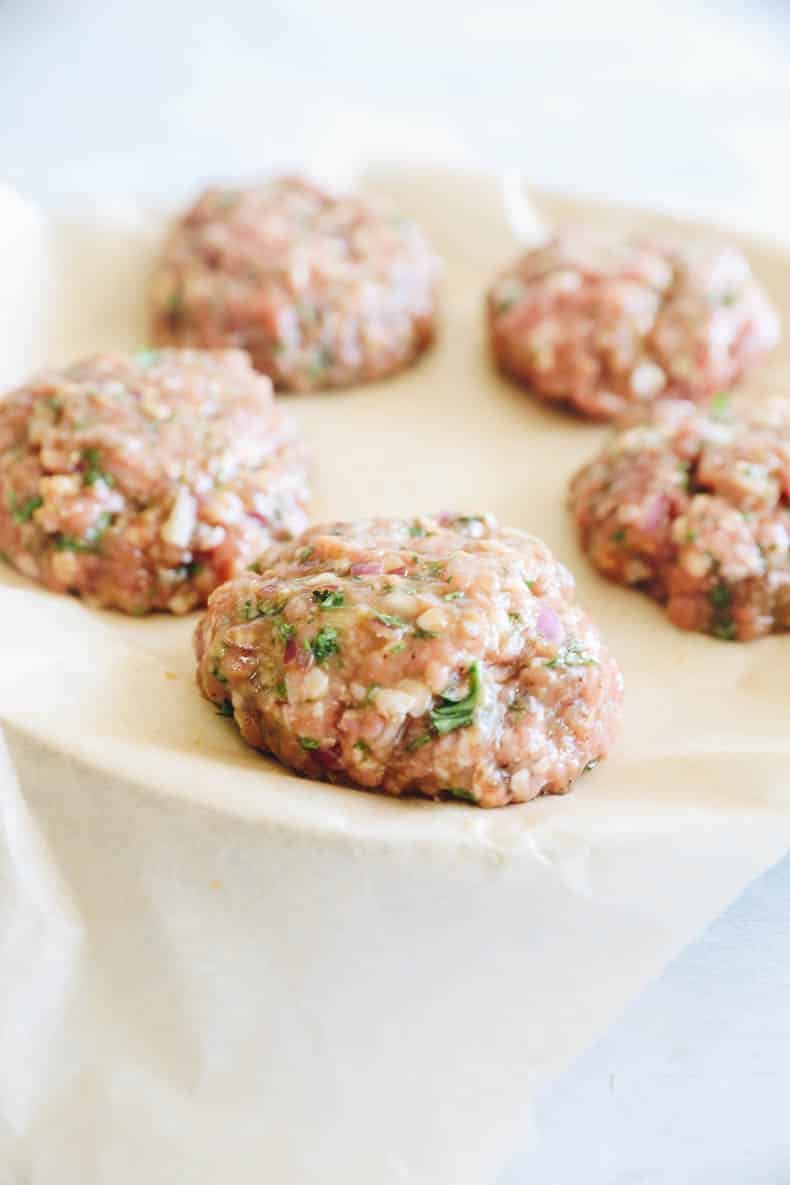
<point>322,291</point>
<point>143,482</point>
<point>601,323</point>
<point>693,507</point>
<point>437,656</point>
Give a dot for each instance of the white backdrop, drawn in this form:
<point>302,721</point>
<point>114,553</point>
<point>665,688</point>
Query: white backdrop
<point>684,106</point>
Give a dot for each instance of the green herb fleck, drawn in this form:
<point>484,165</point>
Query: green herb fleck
<point>619,535</point>
<point>417,531</point>
<point>217,673</point>
<point>459,793</point>
<point>572,655</point>
<point>249,611</point>
<point>389,619</point>
<point>281,689</point>
<point>270,608</point>
<point>225,708</point>
<point>93,471</point>
<point>720,597</point>
<point>370,695</point>
<point>328,598</point>
<point>422,634</point>
<point>304,555</point>
<point>23,511</point>
<point>175,304</point>
<point>453,596</point>
<point>719,406</point>
<point>283,630</point>
<point>309,743</point>
<point>325,643</point>
<point>726,630</point>
<point>419,742</point>
<point>362,746</point>
<point>396,649</point>
<point>530,584</point>
<point>451,714</point>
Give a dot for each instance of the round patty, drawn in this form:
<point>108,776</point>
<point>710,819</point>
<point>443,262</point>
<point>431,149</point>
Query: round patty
<point>143,482</point>
<point>693,507</point>
<point>438,656</point>
<point>322,291</point>
<point>602,323</point>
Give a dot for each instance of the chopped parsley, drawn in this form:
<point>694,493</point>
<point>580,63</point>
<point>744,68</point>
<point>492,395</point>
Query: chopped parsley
<point>572,655</point>
<point>321,360</point>
<point>722,625</point>
<point>225,708</point>
<point>325,643</point>
<point>530,584</point>
<point>23,511</point>
<point>719,406</point>
<point>419,742</point>
<point>270,608</point>
<point>422,634</point>
<point>720,596</point>
<point>417,531</point>
<point>618,536</point>
<point>281,689</point>
<point>304,555</point>
<point>284,630</point>
<point>396,649</point>
<point>92,470</point>
<point>371,693</point>
<point>309,743</point>
<point>90,543</point>
<point>389,619</point>
<point>451,714</point>
<point>362,746</point>
<point>328,598</point>
<point>453,596</point>
<point>459,793</point>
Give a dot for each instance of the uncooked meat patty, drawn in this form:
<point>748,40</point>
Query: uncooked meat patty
<point>322,291</point>
<point>437,656</point>
<point>694,508</point>
<point>601,323</point>
<point>143,482</point>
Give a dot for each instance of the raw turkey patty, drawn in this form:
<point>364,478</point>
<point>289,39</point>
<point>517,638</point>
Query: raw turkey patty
<point>322,291</point>
<point>437,656</point>
<point>142,482</point>
<point>602,323</point>
<point>694,507</point>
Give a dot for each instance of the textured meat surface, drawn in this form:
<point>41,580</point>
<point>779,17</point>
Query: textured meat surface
<point>440,656</point>
<point>322,291</point>
<point>693,507</point>
<point>142,482</point>
<point>603,323</point>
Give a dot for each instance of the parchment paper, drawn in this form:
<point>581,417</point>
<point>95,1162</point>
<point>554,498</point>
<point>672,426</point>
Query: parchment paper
<point>213,970</point>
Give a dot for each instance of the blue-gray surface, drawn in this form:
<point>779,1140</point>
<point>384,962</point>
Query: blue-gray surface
<point>682,105</point>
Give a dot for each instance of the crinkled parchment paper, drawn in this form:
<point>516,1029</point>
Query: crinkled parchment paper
<point>214,971</point>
